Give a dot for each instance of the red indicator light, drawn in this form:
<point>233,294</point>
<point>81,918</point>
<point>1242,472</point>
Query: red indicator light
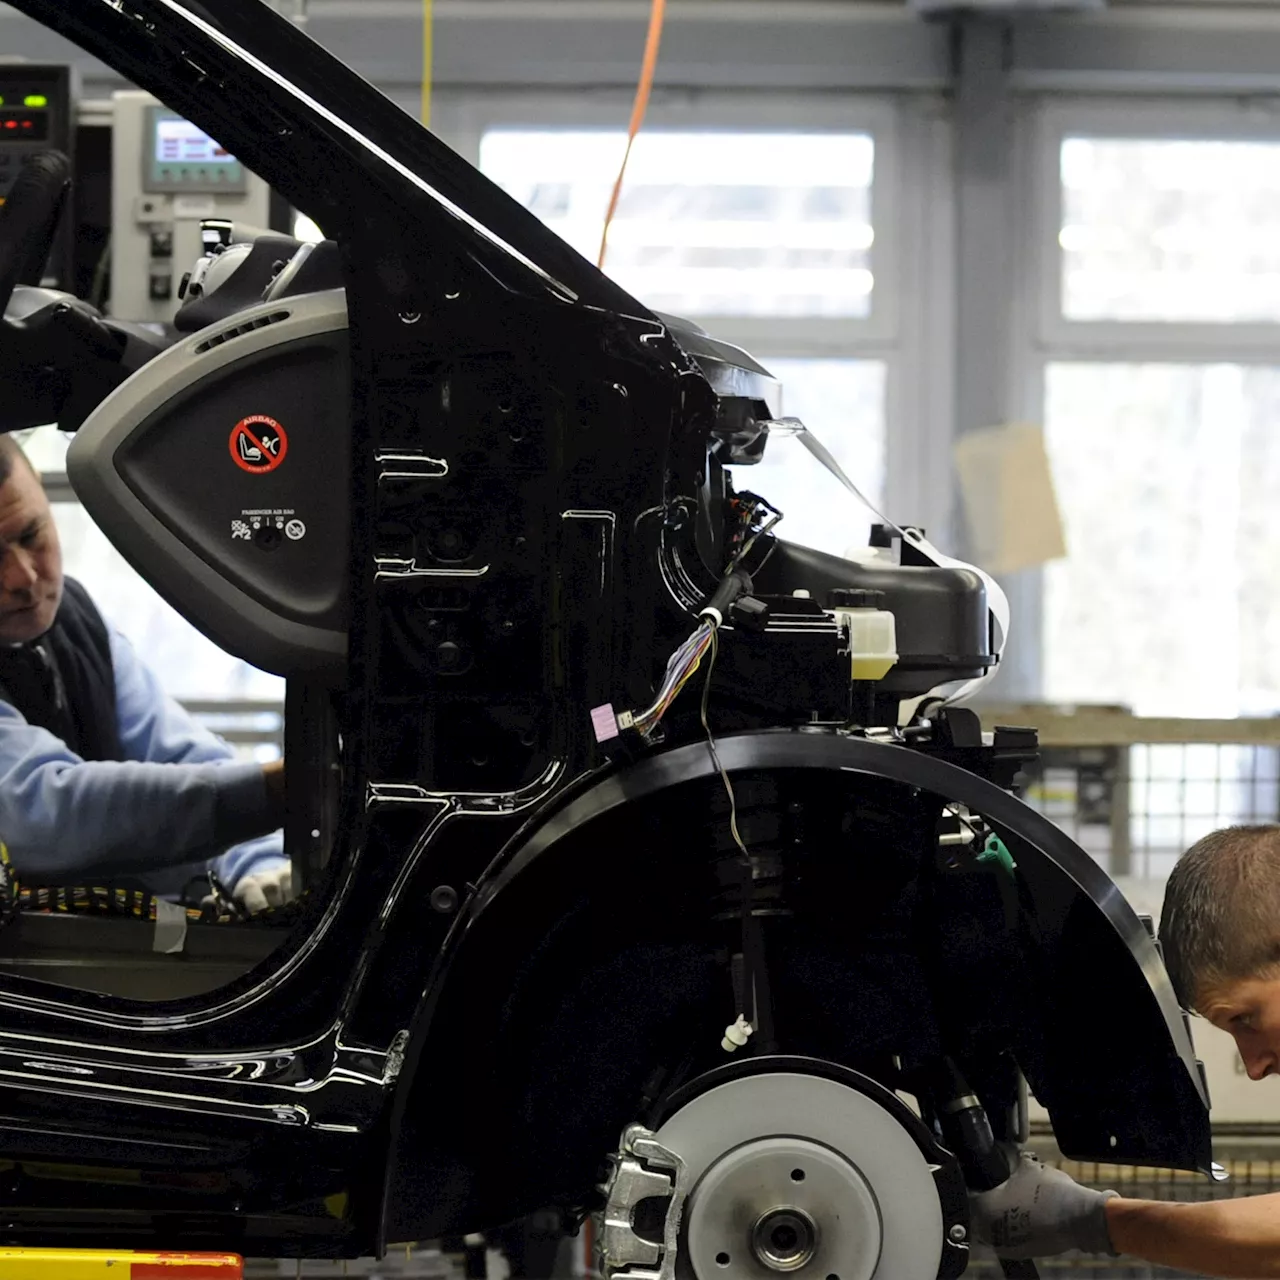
<point>26,124</point>
<point>10,124</point>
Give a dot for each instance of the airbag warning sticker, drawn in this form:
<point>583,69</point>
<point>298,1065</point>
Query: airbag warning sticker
<point>258,444</point>
<point>252,525</point>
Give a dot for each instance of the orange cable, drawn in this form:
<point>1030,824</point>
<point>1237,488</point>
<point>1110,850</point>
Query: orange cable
<point>647,70</point>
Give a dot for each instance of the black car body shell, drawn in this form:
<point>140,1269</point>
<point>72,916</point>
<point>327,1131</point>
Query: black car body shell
<point>332,1099</point>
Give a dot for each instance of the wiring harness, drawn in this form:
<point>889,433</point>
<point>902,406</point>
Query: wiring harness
<point>753,517</point>
<point>134,904</point>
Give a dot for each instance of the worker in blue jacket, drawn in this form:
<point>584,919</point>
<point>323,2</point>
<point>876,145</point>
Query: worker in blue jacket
<point>103,777</point>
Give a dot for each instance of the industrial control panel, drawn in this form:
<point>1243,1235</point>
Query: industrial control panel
<point>37,113</point>
<point>168,176</point>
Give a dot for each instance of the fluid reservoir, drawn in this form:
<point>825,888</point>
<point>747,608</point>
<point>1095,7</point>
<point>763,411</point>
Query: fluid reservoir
<point>873,637</point>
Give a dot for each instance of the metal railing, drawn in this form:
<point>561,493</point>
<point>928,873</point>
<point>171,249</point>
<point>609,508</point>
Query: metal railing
<point>1136,792</point>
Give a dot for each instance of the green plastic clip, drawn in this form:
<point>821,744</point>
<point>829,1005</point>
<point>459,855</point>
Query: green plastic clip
<point>996,851</point>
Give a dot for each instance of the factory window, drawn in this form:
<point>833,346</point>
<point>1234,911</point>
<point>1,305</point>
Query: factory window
<point>767,238</point>
<point>842,402</point>
<point>46,448</point>
<point>709,224</point>
<point>1170,229</point>
<point>1159,252</point>
<point>1167,475</point>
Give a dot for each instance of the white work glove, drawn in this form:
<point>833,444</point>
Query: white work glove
<point>271,887</point>
<point>1039,1212</point>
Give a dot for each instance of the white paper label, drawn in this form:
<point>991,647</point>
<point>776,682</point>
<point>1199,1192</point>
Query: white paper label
<point>195,207</point>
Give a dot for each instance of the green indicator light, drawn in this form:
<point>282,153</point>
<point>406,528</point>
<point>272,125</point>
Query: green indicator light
<point>35,100</point>
<point>1,100</point>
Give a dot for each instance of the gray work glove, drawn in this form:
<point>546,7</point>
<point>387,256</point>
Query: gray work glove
<point>270,887</point>
<point>1039,1212</point>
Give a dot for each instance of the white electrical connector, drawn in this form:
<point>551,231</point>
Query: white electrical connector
<point>737,1035</point>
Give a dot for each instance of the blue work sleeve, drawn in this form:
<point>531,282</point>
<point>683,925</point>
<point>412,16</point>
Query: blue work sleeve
<point>63,817</point>
<point>154,727</point>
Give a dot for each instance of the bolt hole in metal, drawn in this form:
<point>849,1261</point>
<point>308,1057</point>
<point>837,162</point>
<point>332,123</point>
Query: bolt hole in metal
<point>722,1259</point>
<point>797,1175</point>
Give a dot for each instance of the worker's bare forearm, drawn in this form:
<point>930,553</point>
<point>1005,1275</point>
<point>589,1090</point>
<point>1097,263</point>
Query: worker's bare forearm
<point>1233,1239</point>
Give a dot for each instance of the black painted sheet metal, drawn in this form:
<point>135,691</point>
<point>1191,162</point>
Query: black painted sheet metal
<point>1137,1095</point>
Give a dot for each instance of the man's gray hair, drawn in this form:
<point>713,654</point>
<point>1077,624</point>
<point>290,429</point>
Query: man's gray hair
<point>1221,916</point>
<point>11,453</point>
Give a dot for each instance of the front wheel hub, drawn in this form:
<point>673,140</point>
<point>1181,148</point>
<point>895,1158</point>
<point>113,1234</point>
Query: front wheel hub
<point>785,1239</point>
<point>783,1204</point>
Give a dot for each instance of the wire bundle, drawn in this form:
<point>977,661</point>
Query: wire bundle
<point>137,904</point>
<point>91,900</point>
<point>685,661</point>
<point>752,507</point>
<point>680,670</point>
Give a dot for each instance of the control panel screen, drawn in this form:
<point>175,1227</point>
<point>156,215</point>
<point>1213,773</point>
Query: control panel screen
<point>178,142</point>
<point>23,125</point>
<point>182,157</point>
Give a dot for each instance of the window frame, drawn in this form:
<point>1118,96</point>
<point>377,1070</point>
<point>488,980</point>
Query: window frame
<point>1252,119</point>
<point>1048,337</point>
<point>821,113</point>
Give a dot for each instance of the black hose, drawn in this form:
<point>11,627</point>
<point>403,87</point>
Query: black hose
<point>968,1131</point>
<point>730,588</point>
<point>29,218</point>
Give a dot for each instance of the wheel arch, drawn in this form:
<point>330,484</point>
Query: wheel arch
<point>1146,1104</point>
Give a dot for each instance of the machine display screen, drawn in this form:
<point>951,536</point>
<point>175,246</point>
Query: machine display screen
<point>182,157</point>
<point>23,125</point>
<point>178,142</point>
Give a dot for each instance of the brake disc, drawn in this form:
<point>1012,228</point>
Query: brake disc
<point>786,1174</point>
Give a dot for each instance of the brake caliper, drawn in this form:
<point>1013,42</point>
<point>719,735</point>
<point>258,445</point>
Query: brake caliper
<point>643,1169</point>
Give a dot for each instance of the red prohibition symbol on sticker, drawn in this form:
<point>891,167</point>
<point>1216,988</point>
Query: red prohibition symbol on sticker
<point>258,444</point>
